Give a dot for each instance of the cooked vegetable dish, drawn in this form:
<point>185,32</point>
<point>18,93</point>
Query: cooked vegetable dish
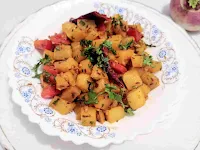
<point>97,67</point>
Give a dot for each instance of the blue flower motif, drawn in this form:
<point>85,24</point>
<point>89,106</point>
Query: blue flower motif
<point>17,75</point>
<point>30,90</point>
<point>26,71</point>
<point>20,49</point>
<point>162,54</point>
<point>112,135</point>
<point>27,100</point>
<point>101,129</point>
<point>26,95</point>
<point>72,130</point>
<point>28,49</point>
<point>101,11</point>
<point>168,73</point>
<point>78,133</point>
<point>47,119</point>
<point>120,11</point>
<point>175,68</point>
<point>48,111</point>
<point>70,124</point>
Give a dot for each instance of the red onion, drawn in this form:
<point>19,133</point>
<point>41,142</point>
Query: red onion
<point>186,16</point>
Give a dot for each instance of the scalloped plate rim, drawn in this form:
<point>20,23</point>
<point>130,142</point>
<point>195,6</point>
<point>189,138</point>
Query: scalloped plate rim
<point>79,143</point>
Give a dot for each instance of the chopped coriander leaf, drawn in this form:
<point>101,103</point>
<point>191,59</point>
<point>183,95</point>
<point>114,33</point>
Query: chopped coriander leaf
<point>126,46</point>
<point>112,95</point>
<point>108,44</point>
<point>42,61</point>
<point>90,66</point>
<point>92,98</point>
<point>117,21</point>
<point>129,111</point>
<point>148,60</point>
<point>85,43</point>
<point>89,53</point>
<point>82,22</point>
<point>47,77</point>
<point>56,101</point>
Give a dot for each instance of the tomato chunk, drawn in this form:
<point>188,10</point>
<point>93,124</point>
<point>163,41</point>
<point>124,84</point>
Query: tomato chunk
<point>117,67</point>
<point>43,45</point>
<point>59,39</point>
<point>105,51</point>
<point>135,33</point>
<point>49,92</point>
<point>101,27</point>
<point>50,70</point>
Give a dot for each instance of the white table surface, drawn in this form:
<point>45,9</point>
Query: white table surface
<point>14,11</point>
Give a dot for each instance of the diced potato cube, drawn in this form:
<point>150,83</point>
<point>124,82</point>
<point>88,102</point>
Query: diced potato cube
<point>98,73</point>
<point>61,106</point>
<point>103,102</point>
<point>115,114</point>
<point>76,51</point>
<point>85,66</point>
<point>64,66</point>
<point>132,79</point>
<point>92,34</point>
<point>88,116</point>
<point>85,24</point>
<point>62,52</point>
<point>69,77</point>
<point>71,93</point>
<point>83,81</point>
<point>141,47</point>
<point>123,57</point>
<point>77,110</point>
<point>156,66</point>
<point>115,40</point>
<point>61,82</point>
<point>49,53</point>
<point>146,90</point>
<point>137,61</point>
<point>100,116</point>
<point>150,80</point>
<point>73,32</point>
<point>136,98</point>
<point>100,85</point>
<point>98,42</point>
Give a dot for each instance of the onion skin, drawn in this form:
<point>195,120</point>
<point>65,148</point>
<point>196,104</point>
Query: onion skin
<point>189,19</point>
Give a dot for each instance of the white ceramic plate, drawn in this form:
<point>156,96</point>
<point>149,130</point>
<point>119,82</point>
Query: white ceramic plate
<point>26,90</point>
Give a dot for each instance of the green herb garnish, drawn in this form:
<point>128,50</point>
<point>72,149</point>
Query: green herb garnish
<point>193,3</point>
<point>85,43</point>
<point>108,45</point>
<point>82,22</point>
<point>117,21</point>
<point>42,61</point>
<point>148,60</point>
<point>112,95</point>
<point>92,98</point>
<point>56,101</point>
<point>126,46</point>
<point>129,111</point>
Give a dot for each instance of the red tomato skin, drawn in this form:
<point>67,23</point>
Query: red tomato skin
<point>135,33</point>
<point>60,38</point>
<point>117,67</point>
<point>43,45</point>
<point>49,92</point>
<point>50,70</point>
<point>101,27</point>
